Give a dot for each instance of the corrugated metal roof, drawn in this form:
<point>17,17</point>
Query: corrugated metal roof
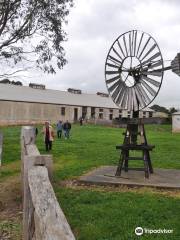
<point>27,94</point>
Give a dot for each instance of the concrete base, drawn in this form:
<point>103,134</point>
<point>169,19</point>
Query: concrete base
<point>161,178</point>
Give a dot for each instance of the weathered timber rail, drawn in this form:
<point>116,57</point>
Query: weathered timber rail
<point>1,147</point>
<point>43,218</point>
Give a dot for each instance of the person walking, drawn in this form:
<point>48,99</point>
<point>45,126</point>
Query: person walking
<point>48,135</point>
<point>81,121</point>
<point>66,128</point>
<point>59,127</point>
<point>35,131</point>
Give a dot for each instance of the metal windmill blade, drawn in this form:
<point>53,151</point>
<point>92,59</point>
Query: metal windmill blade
<point>134,70</point>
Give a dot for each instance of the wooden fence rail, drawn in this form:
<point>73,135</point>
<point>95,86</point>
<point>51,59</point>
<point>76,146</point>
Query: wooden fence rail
<point>1,147</point>
<point>43,218</point>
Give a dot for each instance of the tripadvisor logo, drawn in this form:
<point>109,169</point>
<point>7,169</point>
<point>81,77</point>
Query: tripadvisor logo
<point>139,231</point>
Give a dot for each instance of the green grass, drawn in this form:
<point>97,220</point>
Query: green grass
<point>114,216</point>
<point>101,215</point>
<point>92,146</point>
<point>9,230</point>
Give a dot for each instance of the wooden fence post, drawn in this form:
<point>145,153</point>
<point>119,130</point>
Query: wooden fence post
<point>1,147</point>
<point>43,218</point>
<point>27,137</point>
<point>28,209</point>
<point>50,222</point>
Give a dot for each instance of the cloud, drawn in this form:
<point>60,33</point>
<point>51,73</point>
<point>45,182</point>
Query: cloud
<point>94,25</point>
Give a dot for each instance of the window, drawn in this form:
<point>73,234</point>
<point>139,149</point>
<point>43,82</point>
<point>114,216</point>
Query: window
<point>129,114</point>
<point>101,115</point>
<point>84,112</point>
<point>120,116</point>
<point>63,111</point>
<point>144,114</point>
<point>110,116</point>
<point>150,114</point>
<point>120,111</point>
<point>111,110</point>
<point>101,110</point>
<point>93,112</point>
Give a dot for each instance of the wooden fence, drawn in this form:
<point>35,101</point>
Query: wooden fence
<point>43,218</point>
<point>1,147</point>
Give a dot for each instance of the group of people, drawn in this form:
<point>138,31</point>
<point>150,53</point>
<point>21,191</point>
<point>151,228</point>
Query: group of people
<point>66,127</point>
<point>49,135</point>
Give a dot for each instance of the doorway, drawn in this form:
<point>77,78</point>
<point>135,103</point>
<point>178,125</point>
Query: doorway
<point>75,114</point>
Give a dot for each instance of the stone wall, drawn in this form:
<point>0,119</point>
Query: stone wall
<point>13,113</point>
<point>23,113</point>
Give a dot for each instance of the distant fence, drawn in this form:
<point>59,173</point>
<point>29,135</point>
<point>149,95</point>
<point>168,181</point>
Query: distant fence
<point>122,122</point>
<point>1,147</point>
<point>10,122</point>
<point>43,218</point>
<point>154,120</point>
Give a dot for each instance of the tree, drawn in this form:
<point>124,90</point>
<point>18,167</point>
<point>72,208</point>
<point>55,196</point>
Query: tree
<point>158,108</point>
<point>172,110</point>
<point>7,81</point>
<point>31,34</point>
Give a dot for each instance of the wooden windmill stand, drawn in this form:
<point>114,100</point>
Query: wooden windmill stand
<point>135,128</point>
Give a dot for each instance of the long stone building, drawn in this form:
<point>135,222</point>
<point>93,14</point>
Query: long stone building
<point>35,104</point>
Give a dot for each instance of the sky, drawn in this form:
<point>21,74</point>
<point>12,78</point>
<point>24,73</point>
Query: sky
<point>93,25</point>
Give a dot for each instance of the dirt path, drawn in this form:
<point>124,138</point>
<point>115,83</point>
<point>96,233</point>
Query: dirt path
<point>75,184</point>
<point>10,209</point>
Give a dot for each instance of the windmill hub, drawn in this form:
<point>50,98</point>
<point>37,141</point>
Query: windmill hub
<point>130,71</point>
<point>130,63</point>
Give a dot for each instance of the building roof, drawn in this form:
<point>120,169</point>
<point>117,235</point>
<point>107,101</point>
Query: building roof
<point>27,94</point>
<point>176,113</point>
<point>10,92</point>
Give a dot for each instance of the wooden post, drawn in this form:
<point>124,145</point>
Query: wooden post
<point>28,132</point>
<point>28,208</point>
<point>27,138</point>
<point>43,218</point>
<point>50,222</point>
<point>1,146</point>
<point>30,156</point>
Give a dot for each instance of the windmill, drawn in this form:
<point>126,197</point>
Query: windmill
<point>134,71</point>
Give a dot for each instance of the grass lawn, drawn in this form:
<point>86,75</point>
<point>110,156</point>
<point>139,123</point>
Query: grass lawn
<point>100,213</point>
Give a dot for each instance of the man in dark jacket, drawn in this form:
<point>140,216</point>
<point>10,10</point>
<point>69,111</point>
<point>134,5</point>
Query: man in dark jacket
<point>66,128</point>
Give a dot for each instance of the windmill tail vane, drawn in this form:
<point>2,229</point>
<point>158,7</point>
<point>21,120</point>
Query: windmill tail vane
<point>175,64</point>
